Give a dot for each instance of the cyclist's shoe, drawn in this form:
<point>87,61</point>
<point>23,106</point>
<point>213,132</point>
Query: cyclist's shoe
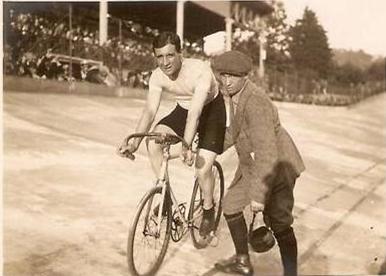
<point>239,264</point>
<point>207,223</point>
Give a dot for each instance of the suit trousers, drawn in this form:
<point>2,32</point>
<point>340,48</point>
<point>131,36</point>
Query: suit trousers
<point>279,200</point>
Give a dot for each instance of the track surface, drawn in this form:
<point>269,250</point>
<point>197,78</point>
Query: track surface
<point>68,198</point>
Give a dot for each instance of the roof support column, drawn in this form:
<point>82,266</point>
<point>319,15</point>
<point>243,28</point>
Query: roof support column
<point>228,33</point>
<point>263,52</point>
<point>180,20</point>
<point>102,22</point>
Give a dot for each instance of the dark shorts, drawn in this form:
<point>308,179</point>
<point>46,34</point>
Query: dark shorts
<point>211,128</point>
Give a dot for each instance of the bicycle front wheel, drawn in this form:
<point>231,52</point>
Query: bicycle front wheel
<point>196,211</point>
<point>147,243</point>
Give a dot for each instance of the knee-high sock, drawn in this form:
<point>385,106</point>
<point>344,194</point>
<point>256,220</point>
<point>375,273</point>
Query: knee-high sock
<point>288,250</point>
<point>239,232</point>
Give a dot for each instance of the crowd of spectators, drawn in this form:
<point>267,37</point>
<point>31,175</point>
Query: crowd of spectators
<point>32,42</point>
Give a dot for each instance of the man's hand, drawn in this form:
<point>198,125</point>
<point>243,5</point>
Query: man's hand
<point>187,156</point>
<point>256,206</point>
<point>126,146</point>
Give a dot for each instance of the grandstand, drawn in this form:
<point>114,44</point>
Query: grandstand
<point>38,33</point>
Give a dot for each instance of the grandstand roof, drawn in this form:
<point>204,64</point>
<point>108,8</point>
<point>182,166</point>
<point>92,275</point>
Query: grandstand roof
<point>161,15</point>
<point>201,17</point>
<point>260,7</point>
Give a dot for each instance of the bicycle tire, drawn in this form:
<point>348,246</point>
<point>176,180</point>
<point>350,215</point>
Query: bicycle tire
<point>133,251</point>
<point>196,206</point>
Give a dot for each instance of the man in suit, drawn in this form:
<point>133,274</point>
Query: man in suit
<point>269,164</point>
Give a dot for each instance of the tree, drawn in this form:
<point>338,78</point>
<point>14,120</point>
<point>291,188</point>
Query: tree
<point>309,47</point>
<point>377,70</point>
<point>348,74</point>
<point>359,58</point>
<point>277,38</point>
<point>247,42</point>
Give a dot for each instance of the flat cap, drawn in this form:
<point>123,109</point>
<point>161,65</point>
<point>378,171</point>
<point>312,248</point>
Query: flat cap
<point>233,63</point>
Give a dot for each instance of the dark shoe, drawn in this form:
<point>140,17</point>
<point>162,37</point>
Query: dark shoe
<point>207,223</point>
<point>239,264</point>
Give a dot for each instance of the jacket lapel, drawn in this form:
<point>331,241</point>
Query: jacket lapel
<point>244,96</point>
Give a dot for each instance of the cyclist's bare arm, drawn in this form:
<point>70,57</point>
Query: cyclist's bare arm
<point>159,137</point>
<point>147,117</point>
<point>150,110</point>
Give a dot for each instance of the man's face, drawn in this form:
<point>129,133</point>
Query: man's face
<point>231,84</point>
<point>168,60</point>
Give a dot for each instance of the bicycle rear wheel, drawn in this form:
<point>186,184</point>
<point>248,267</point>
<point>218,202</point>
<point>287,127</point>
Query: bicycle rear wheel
<point>196,211</point>
<point>146,247</point>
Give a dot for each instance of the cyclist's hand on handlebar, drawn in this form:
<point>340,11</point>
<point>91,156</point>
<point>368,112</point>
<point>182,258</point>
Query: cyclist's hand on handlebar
<point>127,148</point>
<point>187,156</point>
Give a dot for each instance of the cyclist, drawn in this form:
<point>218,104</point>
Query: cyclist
<point>199,108</point>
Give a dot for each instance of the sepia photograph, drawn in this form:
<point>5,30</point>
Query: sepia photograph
<point>193,137</point>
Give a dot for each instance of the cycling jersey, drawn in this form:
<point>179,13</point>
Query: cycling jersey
<point>188,77</point>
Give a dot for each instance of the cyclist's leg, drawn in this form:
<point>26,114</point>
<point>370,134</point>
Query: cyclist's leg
<point>155,156</point>
<point>173,123</point>
<point>155,150</point>
<point>211,142</point>
<point>211,131</point>
<point>203,164</point>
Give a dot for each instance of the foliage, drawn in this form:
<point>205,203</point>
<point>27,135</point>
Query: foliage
<point>353,67</point>
<point>248,43</point>
<point>348,74</point>
<point>377,70</point>
<point>360,59</point>
<point>309,46</point>
<point>277,38</point>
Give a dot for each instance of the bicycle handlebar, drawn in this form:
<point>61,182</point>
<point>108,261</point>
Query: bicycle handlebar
<point>159,137</point>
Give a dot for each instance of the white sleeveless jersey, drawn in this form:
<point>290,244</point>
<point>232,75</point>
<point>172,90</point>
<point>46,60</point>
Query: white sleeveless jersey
<point>183,87</point>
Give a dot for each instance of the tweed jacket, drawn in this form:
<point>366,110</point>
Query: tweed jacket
<point>261,142</point>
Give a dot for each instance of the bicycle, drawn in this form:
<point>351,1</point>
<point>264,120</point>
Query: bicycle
<point>160,216</point>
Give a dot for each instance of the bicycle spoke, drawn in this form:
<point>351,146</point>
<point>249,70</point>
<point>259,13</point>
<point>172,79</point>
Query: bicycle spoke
<point>150,243</point>
<point>196,211</point>
<point>146,245</point>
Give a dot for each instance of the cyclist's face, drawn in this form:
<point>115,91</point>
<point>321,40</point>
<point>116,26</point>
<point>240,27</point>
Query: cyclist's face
<point>231,84</point>
<point>168,60</point>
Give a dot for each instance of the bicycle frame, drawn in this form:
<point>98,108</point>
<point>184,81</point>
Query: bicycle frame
<point>162,179</point>
<point>173,217</point>
<point>164,183</point>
